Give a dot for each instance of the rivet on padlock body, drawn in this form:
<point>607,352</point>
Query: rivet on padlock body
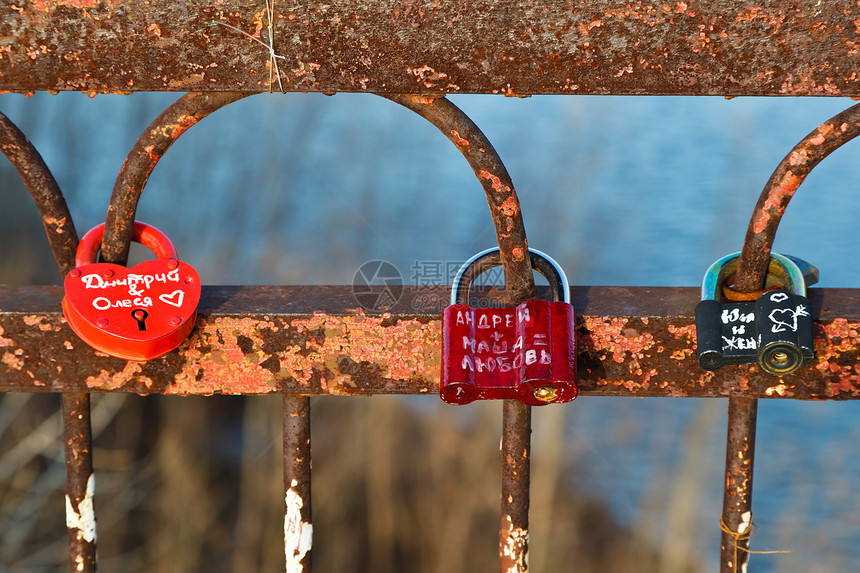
<point>139,313</point>
<point>527,352</point>
<point>775,330</point>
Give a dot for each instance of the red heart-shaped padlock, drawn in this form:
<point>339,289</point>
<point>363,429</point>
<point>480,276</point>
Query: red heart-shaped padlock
<point>139,313</point>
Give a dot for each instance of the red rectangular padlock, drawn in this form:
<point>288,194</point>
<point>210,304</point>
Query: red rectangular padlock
<point>527,353</point>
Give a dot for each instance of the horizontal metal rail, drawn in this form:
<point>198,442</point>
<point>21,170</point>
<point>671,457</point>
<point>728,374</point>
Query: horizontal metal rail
<point>315,340</point>
<point>511,47</point>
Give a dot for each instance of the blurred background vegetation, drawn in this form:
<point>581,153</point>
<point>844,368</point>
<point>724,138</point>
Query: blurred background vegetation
<point>302,189</point>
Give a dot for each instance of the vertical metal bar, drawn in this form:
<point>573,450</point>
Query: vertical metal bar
<point>737,498</point>
<point>80,483</point>
<point>752,269</point>
<point>298,528</point>
<point>516,459</point>
<point>60,229</point>
<point>519,283</point>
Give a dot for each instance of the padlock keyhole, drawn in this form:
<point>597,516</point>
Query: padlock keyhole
<point>140,316</point>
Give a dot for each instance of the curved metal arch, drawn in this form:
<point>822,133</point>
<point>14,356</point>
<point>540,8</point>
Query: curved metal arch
<point>448,118</point>
<point>45,191</point>
<point>510,234</point>
<point>780,188</point>
<point>498,186</point>
<point>144,155</point>
<point>519,282</point>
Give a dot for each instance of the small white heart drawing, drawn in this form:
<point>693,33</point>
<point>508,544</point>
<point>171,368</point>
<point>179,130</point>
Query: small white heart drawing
<point>778,297</point>
<point>175,298</point>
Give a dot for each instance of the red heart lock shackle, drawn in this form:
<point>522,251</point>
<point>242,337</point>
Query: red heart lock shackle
<point>139,313</point>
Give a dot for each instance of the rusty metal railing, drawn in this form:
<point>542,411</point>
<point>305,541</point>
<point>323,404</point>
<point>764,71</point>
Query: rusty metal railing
<point>77,431</point>
<point>510,47</point>
<point>752,269</point>
<point>682,48</point>
<point>656,331</point>
<point>146,152</point>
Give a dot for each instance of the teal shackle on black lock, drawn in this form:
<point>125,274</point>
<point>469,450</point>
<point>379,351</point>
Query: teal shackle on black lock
<point>775,330</point>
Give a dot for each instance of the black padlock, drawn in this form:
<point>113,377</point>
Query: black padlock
<point>775,330</point>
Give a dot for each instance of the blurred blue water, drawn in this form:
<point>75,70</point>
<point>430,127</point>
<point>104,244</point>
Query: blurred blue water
<point>639,191</point>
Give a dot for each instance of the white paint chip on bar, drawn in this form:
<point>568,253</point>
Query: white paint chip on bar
<point>84,520</point>
<point>298,535</point>
<point>743,526</point>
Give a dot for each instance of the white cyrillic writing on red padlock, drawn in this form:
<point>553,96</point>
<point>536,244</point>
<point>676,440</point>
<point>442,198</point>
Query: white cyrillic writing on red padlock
<point>526,353</point>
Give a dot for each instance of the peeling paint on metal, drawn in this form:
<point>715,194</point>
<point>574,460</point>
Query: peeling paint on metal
<point>515,49</point>
<point>611,336</point>
<point>84,519</point>
<point>58,224</point>
<point>348,351</point>
<point>496,181</point>
<point>778,390</point>
<point>298,535</point>
<point>743,527</point>
<point>833,340</point>
<point>233,348</point>
<point>777,201</point>
<point>111,380</point>
<point>13,360</point>
<point>5,341</point>
<point>514,551</point>
<point>510,207</point>
<point>459,140</point>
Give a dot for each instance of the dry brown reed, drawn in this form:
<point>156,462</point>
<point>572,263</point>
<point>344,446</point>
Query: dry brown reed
<point>399,484</point>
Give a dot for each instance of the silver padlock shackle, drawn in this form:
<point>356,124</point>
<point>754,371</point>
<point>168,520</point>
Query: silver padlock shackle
<point>780,265</point>
<point>490,258</point>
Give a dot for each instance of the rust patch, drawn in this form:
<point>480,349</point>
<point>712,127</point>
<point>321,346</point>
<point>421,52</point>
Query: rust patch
<point>107,380</point>
<point>514,49</point>
<point>609,336</point>
<point>457,139</point>
<point>496,182</point>
<point>342,351</point>
<point>51,5</point>
<point>833,342</point>
<point>510,207</point>
<point>777,201</point>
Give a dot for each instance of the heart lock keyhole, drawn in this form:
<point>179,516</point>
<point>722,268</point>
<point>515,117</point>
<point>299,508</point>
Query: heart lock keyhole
<point>140,316</point>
